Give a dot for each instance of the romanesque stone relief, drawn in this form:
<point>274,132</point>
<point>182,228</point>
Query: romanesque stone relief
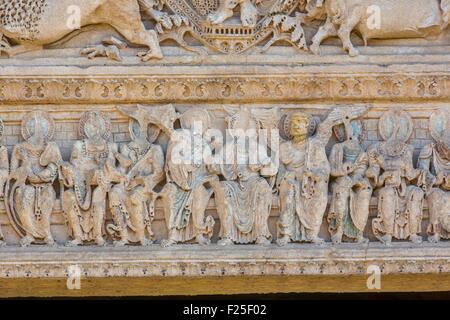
<point>188,188</point>
<point>30,194</point>
<point>351,190</point>
<point>392,172</point>
<point>88,179</point>
<point>244,197</point>
<point>424,18</point>
<point>226,26</point>
<point>132,201</point>
<point>109,191</point>
<point>304,183</point>
<point>435,159</point>
<point>30,25</point>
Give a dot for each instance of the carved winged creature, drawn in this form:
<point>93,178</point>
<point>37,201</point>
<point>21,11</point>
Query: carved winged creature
<point>27,25</point>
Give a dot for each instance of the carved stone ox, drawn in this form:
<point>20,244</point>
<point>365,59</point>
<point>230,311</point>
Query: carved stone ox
<point>379,19</point>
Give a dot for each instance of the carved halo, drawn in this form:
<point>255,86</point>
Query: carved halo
<point>358,130</point>
<point>29,121</point>
<point>285,126</point>
<point>105,124</point>
<point>393,120</point>
<point>439,122</point>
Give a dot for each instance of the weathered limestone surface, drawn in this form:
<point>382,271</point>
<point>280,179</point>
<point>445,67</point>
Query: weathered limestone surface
<point>89,161</point>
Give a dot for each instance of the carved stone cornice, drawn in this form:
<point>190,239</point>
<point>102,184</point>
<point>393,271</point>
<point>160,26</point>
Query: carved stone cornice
<point>196,261</point>
<point>172,84</point>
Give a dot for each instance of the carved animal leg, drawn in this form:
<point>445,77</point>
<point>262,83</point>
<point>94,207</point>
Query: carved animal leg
<point>20,49</point>
<point>125,17</point>
<point>324,32</point>
<point>345,31</point>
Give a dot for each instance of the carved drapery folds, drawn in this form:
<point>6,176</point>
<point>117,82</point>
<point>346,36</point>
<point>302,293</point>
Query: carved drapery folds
<point>126,180</point>
<point>29,194</point>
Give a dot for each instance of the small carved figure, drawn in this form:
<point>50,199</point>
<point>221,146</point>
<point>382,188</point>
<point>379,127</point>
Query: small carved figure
<point>132,202</point>
<point>186,195</point>
<point>391,170</point>
<point>30,195</point>
<point>4,173</point>
<point>244,199</point>
<point>351,190</point>
<point>435,160</point>
<point>303,184</point>
<point>89,177</point>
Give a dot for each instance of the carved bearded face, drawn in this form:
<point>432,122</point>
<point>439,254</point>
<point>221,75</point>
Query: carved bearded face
<point>299,125</point>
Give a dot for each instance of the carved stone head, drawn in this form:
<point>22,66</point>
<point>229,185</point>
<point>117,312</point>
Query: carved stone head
<point>195,119</point>
<point>95,125</point>
<point>38,127</point>
<point>300,125</point>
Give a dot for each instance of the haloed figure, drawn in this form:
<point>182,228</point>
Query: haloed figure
<point>351,190</point>
<point>34,168</point>
<point>304,183</point>
<point>142,162</point>
<point>89,177</point>
<point>435,160</point>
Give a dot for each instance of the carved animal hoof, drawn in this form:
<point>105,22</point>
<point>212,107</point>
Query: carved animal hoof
<point>148,55</point>
<point>434,239</point>
<point>225,242</point>
<point>283,241</point>
<point>167,243</point>
<point>416,239</point>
